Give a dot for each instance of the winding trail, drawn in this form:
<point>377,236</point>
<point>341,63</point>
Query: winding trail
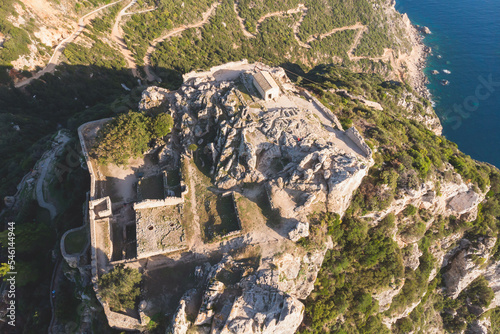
<point>140,12</point>
<point>358,26</point>
<point>388,54</point>
<point>117,36</point>
<point>300,8</point>
<point>54,60</point>
<point>150,76</point>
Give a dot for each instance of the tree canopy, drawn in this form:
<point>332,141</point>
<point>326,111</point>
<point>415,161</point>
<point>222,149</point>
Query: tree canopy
<point>128,135</point>
<point>120,287</point>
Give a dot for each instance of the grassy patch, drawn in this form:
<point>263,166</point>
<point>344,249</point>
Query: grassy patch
<point>76,241</point>
<point>151,188</point>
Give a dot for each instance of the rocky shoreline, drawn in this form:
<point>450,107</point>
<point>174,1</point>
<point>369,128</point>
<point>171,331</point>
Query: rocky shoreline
<point>413,65</point>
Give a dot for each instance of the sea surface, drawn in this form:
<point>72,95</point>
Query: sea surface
<point>465,40</point>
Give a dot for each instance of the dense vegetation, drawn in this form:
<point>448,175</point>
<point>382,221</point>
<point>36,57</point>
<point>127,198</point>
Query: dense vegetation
<point>222,40</point>
<point>457,313</point>
<point>128,136</point>
<point>120,287</point>
<point>145,27</point>
<point>16,39</point>
<point>99,54</point>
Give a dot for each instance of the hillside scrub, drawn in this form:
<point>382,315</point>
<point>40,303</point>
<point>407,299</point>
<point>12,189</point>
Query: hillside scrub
<point>365,259</point>
<point>16,39</point>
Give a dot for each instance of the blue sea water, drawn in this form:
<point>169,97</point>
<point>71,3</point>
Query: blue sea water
<point>466,36</point>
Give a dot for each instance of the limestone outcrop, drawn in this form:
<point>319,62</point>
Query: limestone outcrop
<point>462,268</point>
<point>153,97</point>
<point>266,311</point>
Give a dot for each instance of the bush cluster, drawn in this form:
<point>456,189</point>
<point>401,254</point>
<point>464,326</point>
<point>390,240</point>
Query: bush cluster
<point>128,136</point>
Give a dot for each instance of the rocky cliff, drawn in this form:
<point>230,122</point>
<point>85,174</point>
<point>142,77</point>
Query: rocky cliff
<point>307,166</point>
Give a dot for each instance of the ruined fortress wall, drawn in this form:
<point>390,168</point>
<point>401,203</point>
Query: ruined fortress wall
<point>85,152</point>
<point>86,155</point>
<point>214,69</point>
<point>115,320</point>
<point>155,203</point>
<point>93,249</point>
<point>72,259</point>
<point>353,134</point>
<point>162,251</point>
<point>327,111</point>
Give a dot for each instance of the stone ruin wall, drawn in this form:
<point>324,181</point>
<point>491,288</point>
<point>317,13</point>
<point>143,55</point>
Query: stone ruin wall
<point>155,203</point>
<point>354,135</point>
<point>327,111</point>
<point>115,320</point>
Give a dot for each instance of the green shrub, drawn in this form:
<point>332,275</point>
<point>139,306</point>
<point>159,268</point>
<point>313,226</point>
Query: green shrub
<point>410,210</point>
<point>120,287</point>
<point>126,136</point>
<point>162,125</point>
<point>403,326</point>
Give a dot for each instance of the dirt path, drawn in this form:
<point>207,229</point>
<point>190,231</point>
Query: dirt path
<point>388,54</point>
<point>117,36</point>
<point>242,22</point>
<point>150,76</point>
<point>140,12</point>
<point>54,60</point>
<point>355,43</point>
<point>357,26</point>
<point>300,8</point>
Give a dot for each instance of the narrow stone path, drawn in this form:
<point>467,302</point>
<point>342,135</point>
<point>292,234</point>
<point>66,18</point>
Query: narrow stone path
<point>54,60</point>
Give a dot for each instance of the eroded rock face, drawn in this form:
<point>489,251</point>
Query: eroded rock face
<point>464,202</point>
<point>301,230</point>
<point>266,311</point>
<point>153,97</point>
<point>385,297</point>
<point>492,274</point>
<point>180,323</point>
<point>263,299</point>
<point>455,198</point>
<point>292,139</point>
<point>480,326</point>
<point>464,266</point>
<point>412,259</point>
